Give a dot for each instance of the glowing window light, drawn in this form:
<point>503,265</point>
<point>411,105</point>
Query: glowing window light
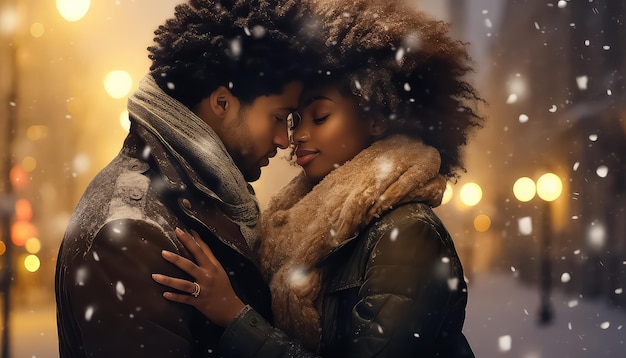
<point>471,194</point>
<point>482,223</point>
<point>447,194</point>
<point>524,189</point>
<point>549,187</point>
<point>33,245</point>
<point>118,83</point>
<point>125,120</point>
<point>73,10</point>
<point>36,29</point>
<point>32,263</point>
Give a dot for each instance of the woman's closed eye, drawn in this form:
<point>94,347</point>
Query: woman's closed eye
<point>320,120</point>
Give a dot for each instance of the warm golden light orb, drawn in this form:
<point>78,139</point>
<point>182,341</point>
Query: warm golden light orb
<point>73,10</point>
<point>125,120</point>
<point>549,187</point>
<point>471,194</point>
<point>118,83</point>
<point>524,189</point>
<point>32,263</point>
<point>482,223</point>
<point>447,194</point>
<point>37,29</point>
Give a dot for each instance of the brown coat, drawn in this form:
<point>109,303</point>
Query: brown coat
<point>107,303</point>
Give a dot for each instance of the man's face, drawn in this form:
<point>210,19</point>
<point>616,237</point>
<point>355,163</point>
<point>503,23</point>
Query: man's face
<point>253,133</point>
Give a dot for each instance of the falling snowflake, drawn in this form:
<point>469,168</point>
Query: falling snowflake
<point>298,277</point>
<point>505,343</point>
<point>394,234</point>
<point>453,284</point>
<point>512,98</point>
<point>602,171</point>
<point>523,118</point>
<point>89,313</point>
<point>565,277</point>
<point>525,225</point>
<point>120,290</point>
<point>582,82</point>
<point>605,325</point>
<point>400,55</point>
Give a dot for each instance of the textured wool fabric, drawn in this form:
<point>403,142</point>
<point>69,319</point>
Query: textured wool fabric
<point>193,141</point>
<point>303,224</point>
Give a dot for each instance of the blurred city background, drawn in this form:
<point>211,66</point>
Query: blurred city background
<point>538,219</point>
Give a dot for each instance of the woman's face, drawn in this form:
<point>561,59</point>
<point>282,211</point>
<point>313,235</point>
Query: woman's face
<point>330,132</point>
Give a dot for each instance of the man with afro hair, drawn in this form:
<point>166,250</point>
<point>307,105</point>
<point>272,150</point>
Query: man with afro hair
<point>213,110</point>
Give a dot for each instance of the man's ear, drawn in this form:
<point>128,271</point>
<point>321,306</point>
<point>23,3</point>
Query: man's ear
<point>220,101</point>
<point>378,126</point>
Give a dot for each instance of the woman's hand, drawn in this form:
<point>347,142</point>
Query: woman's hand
<point>211,293</point>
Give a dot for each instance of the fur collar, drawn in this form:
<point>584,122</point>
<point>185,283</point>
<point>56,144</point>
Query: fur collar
<point>303,224</point>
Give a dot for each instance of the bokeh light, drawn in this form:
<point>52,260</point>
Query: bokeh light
<point>125,120</point>
<point>22,230</point>
<point>73,10</point>
<point>524,189</point>
<point>33,245</point>
<point>29,164</point>
<point>37,29</point>
<point>118,83</point>
<point>471,194</point>
<point>482,223</point>
<point>549,187</point>
<point>23,210</point>
<point>37,132</point>
<point>447,194</point>
<point>19,177</point>
<point>32,263</point>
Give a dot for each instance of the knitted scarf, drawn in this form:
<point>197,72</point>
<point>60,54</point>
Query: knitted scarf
<point>303,224</point>
<point>191,140</point>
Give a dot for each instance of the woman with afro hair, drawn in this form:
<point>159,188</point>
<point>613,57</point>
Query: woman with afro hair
<point>358,263</point>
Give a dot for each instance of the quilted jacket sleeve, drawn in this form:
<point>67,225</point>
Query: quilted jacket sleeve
<point>404,305</point>
<point>252,336</point>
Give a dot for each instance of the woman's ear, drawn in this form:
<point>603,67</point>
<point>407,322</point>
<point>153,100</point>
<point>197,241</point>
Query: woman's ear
<point>378,126</point>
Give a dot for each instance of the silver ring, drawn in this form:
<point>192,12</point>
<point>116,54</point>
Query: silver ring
<point>196,293</point>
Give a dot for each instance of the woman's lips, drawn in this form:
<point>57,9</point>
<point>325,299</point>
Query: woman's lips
<point>305,156</point>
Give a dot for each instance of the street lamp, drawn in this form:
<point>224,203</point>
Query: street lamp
<point>548,188</point>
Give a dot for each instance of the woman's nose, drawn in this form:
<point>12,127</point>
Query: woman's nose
<point>301,135</point>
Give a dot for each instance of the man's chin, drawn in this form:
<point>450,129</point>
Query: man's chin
<point>252,175</point>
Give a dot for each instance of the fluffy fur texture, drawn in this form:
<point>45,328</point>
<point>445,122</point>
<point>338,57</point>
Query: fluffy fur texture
<point>303,224</point>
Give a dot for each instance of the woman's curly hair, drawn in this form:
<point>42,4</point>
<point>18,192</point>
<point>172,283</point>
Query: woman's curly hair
<point>404,66</point>
<point>253,47</point>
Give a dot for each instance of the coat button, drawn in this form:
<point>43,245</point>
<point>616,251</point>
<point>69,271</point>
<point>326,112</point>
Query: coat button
<point>186,204</point>
<point>136,195</point>
<point>254,321</point>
